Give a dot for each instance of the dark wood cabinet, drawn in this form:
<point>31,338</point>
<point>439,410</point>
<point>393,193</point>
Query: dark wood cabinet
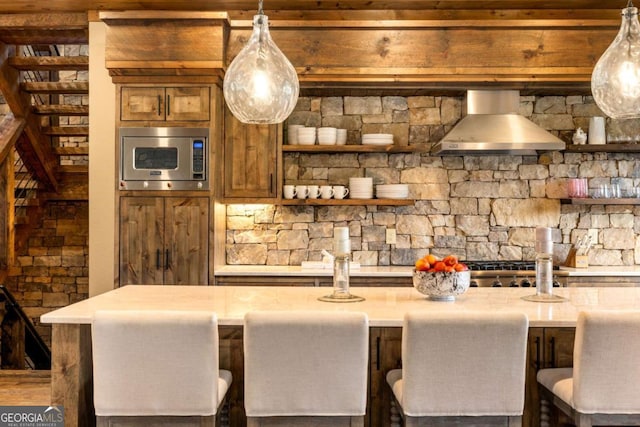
<point>547,348</point>
<point>164,240</point>
<point>250,159</point>
<point>171,104</point>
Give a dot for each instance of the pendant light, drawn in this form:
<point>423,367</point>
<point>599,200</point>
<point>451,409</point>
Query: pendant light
<point>261,86</point>
<point>615,82</point>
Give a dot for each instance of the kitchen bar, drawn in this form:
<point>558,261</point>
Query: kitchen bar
<point>385,307</point>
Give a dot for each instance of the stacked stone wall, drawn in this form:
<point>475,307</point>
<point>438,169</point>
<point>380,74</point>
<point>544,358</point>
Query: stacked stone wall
<point>52,269</point>
<point>477,207</point>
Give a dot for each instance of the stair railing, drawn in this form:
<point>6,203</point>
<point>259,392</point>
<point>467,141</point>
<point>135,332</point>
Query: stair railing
<point>37,354</point>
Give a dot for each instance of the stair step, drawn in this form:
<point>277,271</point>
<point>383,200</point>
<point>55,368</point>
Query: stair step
<point>56,87</point>
<point>49,63</point>
<point>62,110</point>
<point>44,36</point>
<point>72,151</point>
<point>74,169</point>
<point>66,131</point>
<point>27,202</point>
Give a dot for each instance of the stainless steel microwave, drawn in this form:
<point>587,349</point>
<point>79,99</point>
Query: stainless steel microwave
<point>164,158</point>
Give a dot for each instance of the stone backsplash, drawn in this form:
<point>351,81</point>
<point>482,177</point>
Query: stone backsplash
<point>477,207</point>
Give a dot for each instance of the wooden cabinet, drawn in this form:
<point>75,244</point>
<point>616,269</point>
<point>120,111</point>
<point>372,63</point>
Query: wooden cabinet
<point>547,348</point>
<point>164,240</point>
<point>250,159</point>
<point>171,104</point>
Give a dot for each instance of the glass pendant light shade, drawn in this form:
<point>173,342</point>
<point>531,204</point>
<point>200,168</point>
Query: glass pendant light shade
<point>261,86</point>
<point>615,82</point>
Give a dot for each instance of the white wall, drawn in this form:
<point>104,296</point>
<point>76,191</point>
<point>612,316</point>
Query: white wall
<point>102,179</point>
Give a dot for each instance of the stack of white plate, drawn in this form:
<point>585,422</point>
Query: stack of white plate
<point>392,191</point>
<point>377,139</point>
<point>361,188</point>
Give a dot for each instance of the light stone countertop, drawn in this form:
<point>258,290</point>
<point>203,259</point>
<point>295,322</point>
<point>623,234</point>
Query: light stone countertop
<point>385,306</point>
<point>395,271</point>
<point>596,270</point>
<point>296,270</point>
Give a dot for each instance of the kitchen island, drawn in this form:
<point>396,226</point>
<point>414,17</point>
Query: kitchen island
<point>385,306</point>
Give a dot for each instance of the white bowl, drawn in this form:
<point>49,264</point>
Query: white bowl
<point>441,286</point>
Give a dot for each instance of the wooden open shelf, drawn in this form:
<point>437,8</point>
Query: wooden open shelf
<point>347,202</point>
<point>357,148</point>
<point>612,201</point>
<point>604,148</point>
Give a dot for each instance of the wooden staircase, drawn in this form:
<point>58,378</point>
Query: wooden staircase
<point>44,86</point>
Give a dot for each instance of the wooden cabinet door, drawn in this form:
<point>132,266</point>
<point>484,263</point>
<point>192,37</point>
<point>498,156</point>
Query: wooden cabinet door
<point>141,240</point>
<point>385,354</point>
<point>250,157</point>
<point>535,361</point>
<point>186,251</point>
<point>142,103</point>
<point>187,103</point>
<point>559,347</point>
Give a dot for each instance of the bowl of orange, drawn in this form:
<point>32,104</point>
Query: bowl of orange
<point>441,279</point>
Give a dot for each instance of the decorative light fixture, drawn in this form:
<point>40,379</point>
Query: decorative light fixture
<point>261,86</point>
<point>615,82</point>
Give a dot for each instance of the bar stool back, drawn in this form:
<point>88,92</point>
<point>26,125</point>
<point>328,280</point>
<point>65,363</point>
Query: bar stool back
<point>603,386</point>
<point>157,368</point>
<point>461,367</point>
<point>305,368</point>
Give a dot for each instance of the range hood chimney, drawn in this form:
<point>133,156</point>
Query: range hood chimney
<point>493,126</point>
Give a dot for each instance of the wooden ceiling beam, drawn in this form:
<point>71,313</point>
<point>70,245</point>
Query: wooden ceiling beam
<point>14,6</point>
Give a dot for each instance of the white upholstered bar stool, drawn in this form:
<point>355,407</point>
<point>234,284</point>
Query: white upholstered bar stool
<point>603,387</point>
<point>461,368</point>
<point>305,368</point>
<point>157,368</point>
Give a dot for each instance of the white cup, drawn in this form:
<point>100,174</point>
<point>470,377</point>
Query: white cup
<point>597,133</point>
<point>302,191</point>
<point>341,137</point>
<point>292,134</point>
<point>340,191</point>
<point>289,191</point>
<point>326,191</point>
<point>314,191</point>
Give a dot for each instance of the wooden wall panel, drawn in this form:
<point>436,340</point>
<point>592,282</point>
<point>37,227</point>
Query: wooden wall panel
<point>530,53</point>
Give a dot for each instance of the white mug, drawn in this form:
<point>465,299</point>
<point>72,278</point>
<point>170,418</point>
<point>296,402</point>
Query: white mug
<point>326,191</point>
<point>289,191</point>
<point>314,191</point>
<point>597,133</point>
<point>340,191</point>
<point>302,191</point>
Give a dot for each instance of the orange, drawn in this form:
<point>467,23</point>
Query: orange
<point>431,259</point>
<point>422,265</point>
<point>450,260</point>
<point>439,266</point>
<point>460,267</point>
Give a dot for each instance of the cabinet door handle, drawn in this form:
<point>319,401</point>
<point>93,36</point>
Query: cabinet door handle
<point>537,353</point>
<point>552,341</point>
<point>272,184</point>
<point>158,259</point>
<point>168,105</point>
<point>167,259</point>
<point>377,353</point>
<point>159,105</point>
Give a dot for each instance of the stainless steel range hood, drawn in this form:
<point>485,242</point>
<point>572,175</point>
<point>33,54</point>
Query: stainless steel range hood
<point>493,126</point>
